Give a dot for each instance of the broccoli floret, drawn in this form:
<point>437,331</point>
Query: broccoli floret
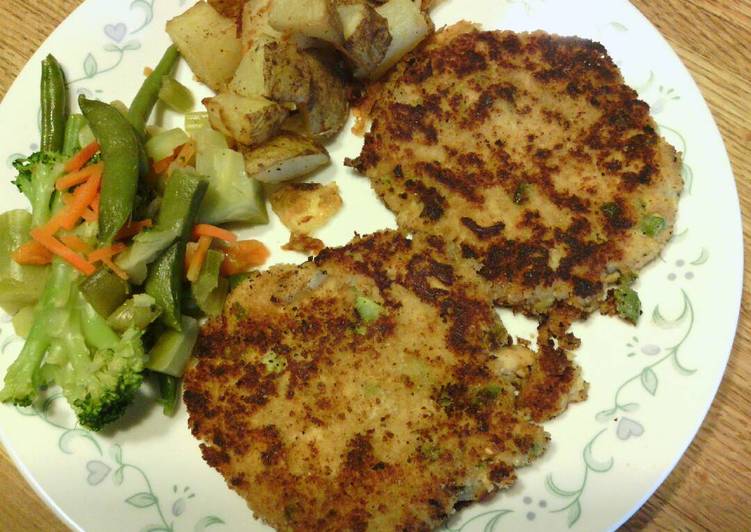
<point>36,178</point>
<point>23,377</point>
<point>101,387</point>
<point>72,346</point>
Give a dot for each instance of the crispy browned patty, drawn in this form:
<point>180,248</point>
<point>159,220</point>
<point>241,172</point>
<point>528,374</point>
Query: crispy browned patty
<point>531,152</point>
<point>323,420</point>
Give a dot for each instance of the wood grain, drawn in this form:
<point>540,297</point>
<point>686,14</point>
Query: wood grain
<point>710,489</point>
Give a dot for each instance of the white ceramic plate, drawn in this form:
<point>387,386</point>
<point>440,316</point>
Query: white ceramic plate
<point>650,386</point>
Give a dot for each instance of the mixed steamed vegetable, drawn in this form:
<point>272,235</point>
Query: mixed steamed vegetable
<point>122,253</point>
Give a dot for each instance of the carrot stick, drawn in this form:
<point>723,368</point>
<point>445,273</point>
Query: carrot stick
<point>198,258</point>
<point>185,154</point>
<point>82,157</point>
<point>243,255</point>
<point>133,228</point>
<point>89,215</point>
<point>115,269</point>
<point>82,198</point>
<point>74,243</point>
<point>32,252</point>
<point>213,231</point>
<point>106,252</point>
<point>162,165</point>
<point>190,250</point>
<point>76,178</point>
<point>95,205</point>
<point>60,249</point>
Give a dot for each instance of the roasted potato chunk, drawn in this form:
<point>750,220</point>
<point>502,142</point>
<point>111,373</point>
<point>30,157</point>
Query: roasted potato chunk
<point>408,26</point>
<point>327,110</point>
<point>366,37</point>
<point>255,23</point>
<point>208,42</point>
<point>248,120</point>
<point>274,70</point>
<point>311,18</point>
<point>228,8</point>
<point>284,157</point>
<point>305,207</point>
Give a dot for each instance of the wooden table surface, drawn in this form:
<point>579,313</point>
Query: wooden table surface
<point>711,486</point>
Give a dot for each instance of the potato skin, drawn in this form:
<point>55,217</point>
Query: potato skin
<point>366,37</point>
<point>275,70</point>
<point>248,120</point>
<point>328,108</point>
<point>284,157</point>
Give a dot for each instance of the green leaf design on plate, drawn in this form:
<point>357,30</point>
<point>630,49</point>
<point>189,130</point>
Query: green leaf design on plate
<point>116,452</point>
<point>591,465</point>
<point>90,67</point>
<point>701,259</point>
<point>131,45</point>
<point>574,513</point>
<point>206,522</point>
<point>155,528</point>
<point>594,464</point>
<point>649,380</point>
<point>142,500</point>
<point>117,476</point>
<point>551,485</point>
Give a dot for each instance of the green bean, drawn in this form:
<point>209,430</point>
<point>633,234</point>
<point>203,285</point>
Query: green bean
<point>148,94</point>
<point>54,100</point>
<point>169,391</point>
<point>121,150</point>
<point>72,129</point>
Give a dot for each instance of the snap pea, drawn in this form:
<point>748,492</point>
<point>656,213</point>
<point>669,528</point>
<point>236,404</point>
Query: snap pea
<point>121,150</point>
<point>104,291</point>
<point>148,94</point>
<point>164,283</point>
<point>53,100</point>
<point>138,312</point>
<point>73,128</point>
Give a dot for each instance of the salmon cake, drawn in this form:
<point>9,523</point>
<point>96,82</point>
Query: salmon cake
<point>530,152</point>
<point>371,388</point>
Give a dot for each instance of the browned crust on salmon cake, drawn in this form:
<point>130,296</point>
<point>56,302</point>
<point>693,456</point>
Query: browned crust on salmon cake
<point>530,152</point>
<point>322,420</point>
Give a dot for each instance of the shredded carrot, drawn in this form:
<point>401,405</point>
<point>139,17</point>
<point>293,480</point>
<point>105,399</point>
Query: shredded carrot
<point>147,71</point>
<point>82,198</point>
<point>163,165</point>
<point>115,269</point>
<point>213,231</point>
<point>74,243</point>
<point>198,258</point>
<point>190,250</point>
<point>89,215</point>
<point>76,178</point>
<point>60,249</point>
<point>133,228</point>
<point>184,156</point>
<point>106,252</point>
<point>95,205</point>
<point>76,162</point>
<point>243,255</point>
<point>32,252</point>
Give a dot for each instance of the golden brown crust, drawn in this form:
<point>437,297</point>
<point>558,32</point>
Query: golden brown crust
<point>324,421</point>
<point>531,152</point>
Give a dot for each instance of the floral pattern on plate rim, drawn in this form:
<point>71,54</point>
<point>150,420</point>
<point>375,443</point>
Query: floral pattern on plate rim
<point>121,40</point>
